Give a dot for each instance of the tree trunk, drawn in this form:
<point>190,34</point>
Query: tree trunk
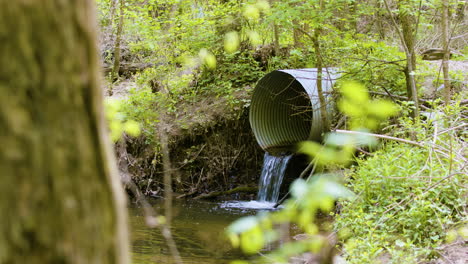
<point>408,39</point>
<point>323,103</point>
<point>297,35</point>
<point>60,196</point>
<point>118,40</point>
<point>276,44</point>
<point>113,4</point>
<point>445,44</point>
<point>353,20</point>
<point>408,21</point>
<point>319,59</point>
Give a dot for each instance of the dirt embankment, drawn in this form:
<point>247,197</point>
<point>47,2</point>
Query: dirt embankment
<point>211,146</point>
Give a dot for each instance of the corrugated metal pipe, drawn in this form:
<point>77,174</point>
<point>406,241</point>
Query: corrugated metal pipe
<point>285,108</point>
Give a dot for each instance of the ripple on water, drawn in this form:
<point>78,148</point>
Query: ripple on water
<point>249,205</point>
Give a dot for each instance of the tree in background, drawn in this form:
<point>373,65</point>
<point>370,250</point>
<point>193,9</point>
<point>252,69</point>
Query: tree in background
<point>408,21</point>
<point>60,197</point>
<point>445,25</point>
<point>115,68</point>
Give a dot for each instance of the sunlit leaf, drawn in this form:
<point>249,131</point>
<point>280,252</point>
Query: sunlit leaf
<point>210,61</point>
<point>263,5</point>
<point>252,241</point>
<point>294,248</point>
<point>326,204</point>
<point>243,224</point>
<point>254,37</point>
<point>207,58</point>
<point>251,12</point>
<point>315,245</point>
<point>132,128</point>
<point>234,239</point>
<point>305,220</point>
<point>239,262</point>
<point>336,190</point>
<point>355,92</point>
<point>309,147</point>
<point>299,188</point>
<point>231,41</point>
<point>350,108</point>
<point>382,108</point>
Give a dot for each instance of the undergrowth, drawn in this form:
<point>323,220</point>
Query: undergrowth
<point>408,197</point>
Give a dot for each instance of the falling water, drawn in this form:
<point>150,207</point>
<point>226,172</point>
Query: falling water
<point>271,178</point>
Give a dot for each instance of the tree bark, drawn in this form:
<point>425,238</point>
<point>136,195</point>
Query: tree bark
<point>113,4</point>
<point>408,21</point>
<point>319,58</point>
<point>408,39</point>
<point>445,44</point>
<point>276,44</point>
<point>60,196</point>
<point>319,65</point>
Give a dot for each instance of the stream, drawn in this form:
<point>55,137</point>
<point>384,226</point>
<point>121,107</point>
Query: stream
<point>197,228</point>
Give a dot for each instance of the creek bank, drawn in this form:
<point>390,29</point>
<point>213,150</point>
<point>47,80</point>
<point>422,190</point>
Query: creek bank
<point>212,150</point>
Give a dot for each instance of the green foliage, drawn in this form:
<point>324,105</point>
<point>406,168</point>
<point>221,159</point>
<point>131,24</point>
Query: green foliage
<point>235,71</point>
<point>395,211</point>
<point>118,122</point>
<point>364,113</point>
<point>202,49</point>
<point>318,193</point>
<point>140,106</point>
<point>409,198</point>
<point>309,197</point>
<point>376,64</point>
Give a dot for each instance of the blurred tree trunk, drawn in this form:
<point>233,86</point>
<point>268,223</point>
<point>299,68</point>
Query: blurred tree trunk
<point>445,43</point>
<point>60,197</point>
<point>118,40</point>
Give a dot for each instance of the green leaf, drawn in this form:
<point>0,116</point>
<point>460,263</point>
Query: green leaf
<point>243,224</point>
<point>251,12</point>
<point>382,108</point>
<point>336,190</point>
<point>252,241</point>
<point>132,128</point>
<point>355,92</point>
<point>299,188</point>
<point>231,42</point>
<point>207,58</point>
<point>239,262</point>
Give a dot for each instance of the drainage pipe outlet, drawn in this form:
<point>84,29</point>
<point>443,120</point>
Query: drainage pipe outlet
<point>285,108</point>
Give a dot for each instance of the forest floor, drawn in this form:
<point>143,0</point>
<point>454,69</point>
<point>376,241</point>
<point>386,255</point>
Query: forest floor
<point>430,90</point>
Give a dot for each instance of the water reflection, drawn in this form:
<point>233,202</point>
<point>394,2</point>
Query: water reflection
<point>198,230</point>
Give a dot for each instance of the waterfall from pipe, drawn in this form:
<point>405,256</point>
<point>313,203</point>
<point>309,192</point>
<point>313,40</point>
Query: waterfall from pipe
<point>271,178</point>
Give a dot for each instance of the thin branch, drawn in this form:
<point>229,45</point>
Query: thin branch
<point>410,198</point>
<point>414,143</point>
<point>312,165</point>
<point>395,25</point>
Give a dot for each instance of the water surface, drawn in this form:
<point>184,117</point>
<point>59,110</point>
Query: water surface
<point>198,230</point>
